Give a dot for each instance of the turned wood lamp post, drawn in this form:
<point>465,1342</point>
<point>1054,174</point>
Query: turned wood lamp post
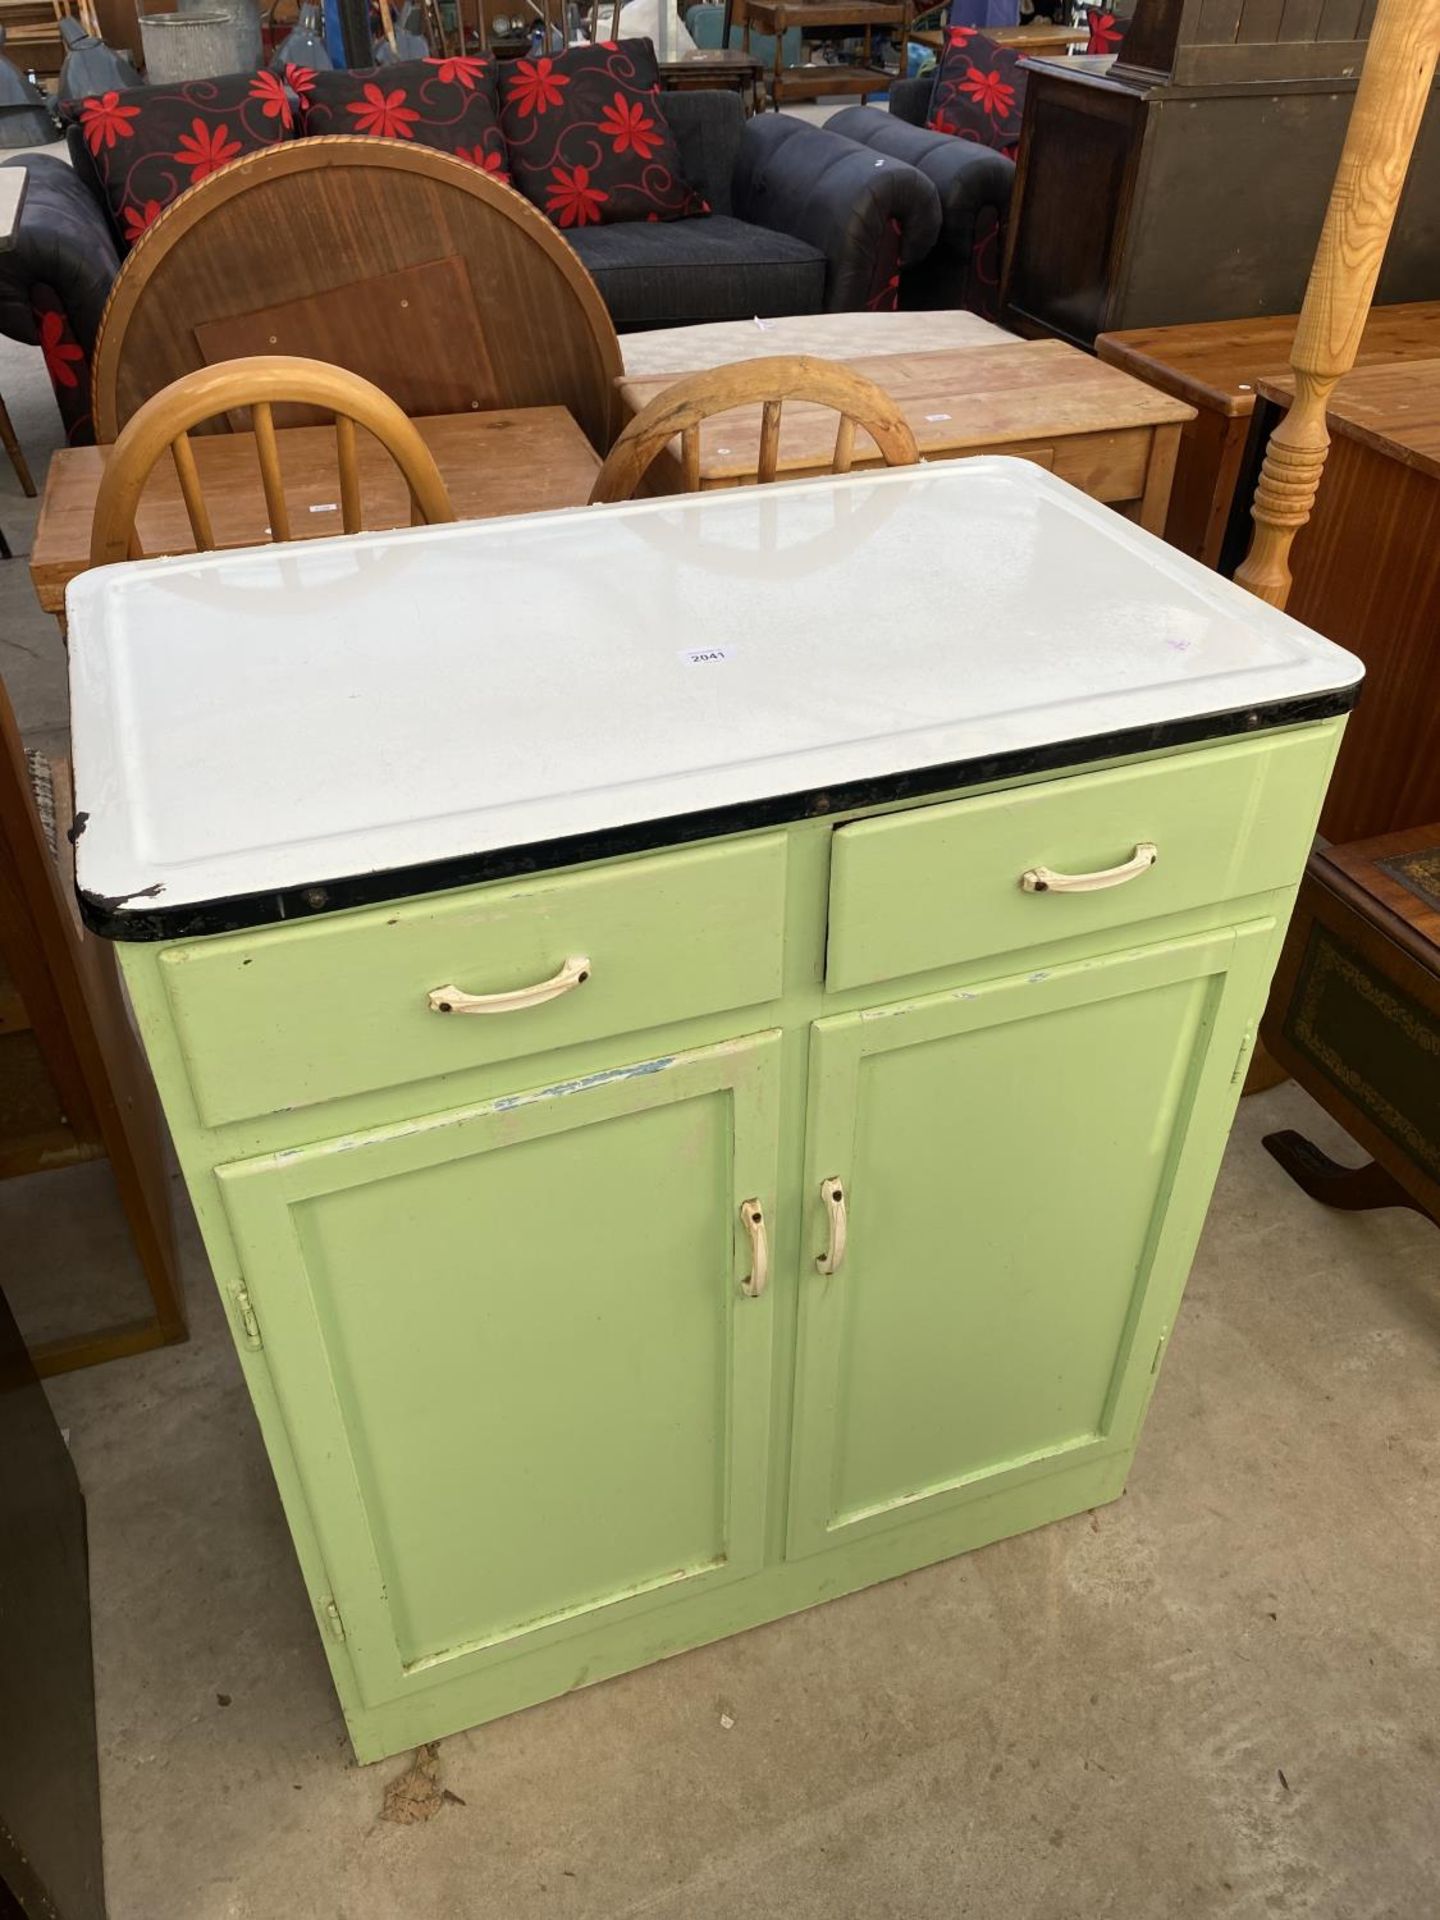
<point>1394,88</point>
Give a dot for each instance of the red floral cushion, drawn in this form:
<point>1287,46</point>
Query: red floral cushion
<point>1106,30</point>
<point>587,140</point>
<point>449,104</point>
<point>979,91</point>
<point>148,146</point>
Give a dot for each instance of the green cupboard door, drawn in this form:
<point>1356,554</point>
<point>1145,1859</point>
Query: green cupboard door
<point>1024,1168</point>
<point>522,1378</point>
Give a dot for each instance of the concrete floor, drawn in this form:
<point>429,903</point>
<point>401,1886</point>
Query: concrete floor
<point>1218,1697</point>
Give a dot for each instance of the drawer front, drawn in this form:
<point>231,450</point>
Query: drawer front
<point>338,1006</point>
<point>940,885</point>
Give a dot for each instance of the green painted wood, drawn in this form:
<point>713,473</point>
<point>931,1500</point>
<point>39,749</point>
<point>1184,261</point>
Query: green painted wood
<point>335,1006</point>
<point>530,1387</point>
<point>1008,1156</point>
<point>371,1219</point>
<point>923,889</point>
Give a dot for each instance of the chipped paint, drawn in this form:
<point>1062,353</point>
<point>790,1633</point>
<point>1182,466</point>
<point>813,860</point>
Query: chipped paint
<point>113,902</point>
<point>608,1076</point>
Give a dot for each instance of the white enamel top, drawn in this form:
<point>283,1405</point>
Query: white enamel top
<point>257,720</point>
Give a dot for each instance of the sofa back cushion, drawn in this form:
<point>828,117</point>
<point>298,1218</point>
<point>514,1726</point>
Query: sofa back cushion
<point>1105,29</point>
<point>446,103</point>
<point>979,91</point>
<point>587,139</point>
<point>147,145</point>
<point>708,128</point>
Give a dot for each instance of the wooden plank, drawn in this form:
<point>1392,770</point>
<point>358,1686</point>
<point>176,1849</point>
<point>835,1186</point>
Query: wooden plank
<point>1219,22</point>
<point>1340,20</point>
<point>1394,409</point>
<point>1288,60</point>
<point>1300,20</point>
<point>1216,365</point>
<point>526,461</point>
<point>407,315</point>
<point>1260,21</point>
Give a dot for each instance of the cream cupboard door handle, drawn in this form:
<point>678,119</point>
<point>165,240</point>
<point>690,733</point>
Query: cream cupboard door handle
<point>832,1192</point>
<point>752,1214</point>
<point>1046,880</point>
<point>574,973</point>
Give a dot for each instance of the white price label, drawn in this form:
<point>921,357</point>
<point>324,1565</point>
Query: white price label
<point>705,656</point>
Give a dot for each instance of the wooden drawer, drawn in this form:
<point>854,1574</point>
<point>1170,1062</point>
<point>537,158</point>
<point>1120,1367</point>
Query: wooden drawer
<point>340,1006</point>
<point>913,891</point>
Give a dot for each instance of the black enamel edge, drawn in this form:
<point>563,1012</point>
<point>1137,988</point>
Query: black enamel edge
<point>236,914</point>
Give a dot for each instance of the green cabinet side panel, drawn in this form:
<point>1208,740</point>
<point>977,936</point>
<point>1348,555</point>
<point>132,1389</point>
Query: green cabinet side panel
<point>485,1274</point>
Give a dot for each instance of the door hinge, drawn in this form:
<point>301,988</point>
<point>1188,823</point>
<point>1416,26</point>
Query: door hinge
<point>245,1311</point>
<point>1242,1058</point>
<point>333,1620</point>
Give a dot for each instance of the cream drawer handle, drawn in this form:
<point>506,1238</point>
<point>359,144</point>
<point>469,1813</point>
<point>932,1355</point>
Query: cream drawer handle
<point>754,1218</point>
<point>1046,880</point>
<point>832,1192</point>
<point>574,973</point>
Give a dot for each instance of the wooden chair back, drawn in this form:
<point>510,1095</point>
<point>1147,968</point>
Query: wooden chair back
<point>769,382</point>
<point>412,268</point>
<point>165,422</point>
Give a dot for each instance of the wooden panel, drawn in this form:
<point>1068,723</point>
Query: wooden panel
<point>1202,243</point>
<point>1300,20</point>
<point>95,1079</point>
<point>1218,368</point>
<point>1356,1019</point>
<point>1061,247</point>
<point>1400,874</point>
<point>1286,60</point>
<point>50,1849</point>
<point>1216,365</point>
<point>421,332</point>
<point>1393,408</point>
<point>492,464</point>
<point>1260,21</point>
<point>268,224</point>
<point>1340,20</point>
<point>1367,574</point>
<point>1219,21</point>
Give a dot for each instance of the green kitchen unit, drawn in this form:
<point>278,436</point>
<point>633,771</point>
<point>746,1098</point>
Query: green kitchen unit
<point>700,1033</point>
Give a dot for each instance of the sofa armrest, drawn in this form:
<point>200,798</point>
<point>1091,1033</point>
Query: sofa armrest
<point>61,240</point>
<point>55,277</point>
<point>973,183</point>
<point>967,176</point>
<point>868,214</point>
<point>910,99</point>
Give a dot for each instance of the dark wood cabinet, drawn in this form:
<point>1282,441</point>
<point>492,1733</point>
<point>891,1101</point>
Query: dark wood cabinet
<point>1187,178</point>
<point>50,1855</point>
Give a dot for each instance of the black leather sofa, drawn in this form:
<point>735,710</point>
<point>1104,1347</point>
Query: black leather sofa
<point>802,222</point>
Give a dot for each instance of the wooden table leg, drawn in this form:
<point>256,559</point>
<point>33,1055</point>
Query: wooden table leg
<point>1159,476</point>
<point>1355,1189</point>
<point>13,448</point>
